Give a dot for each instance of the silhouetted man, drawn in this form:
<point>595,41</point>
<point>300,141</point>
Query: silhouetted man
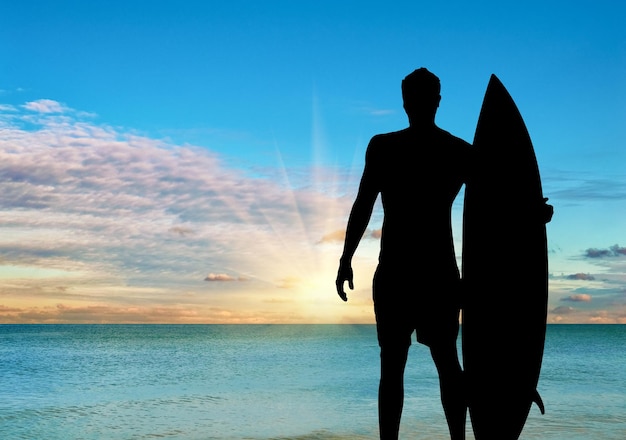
<point>418,171</point>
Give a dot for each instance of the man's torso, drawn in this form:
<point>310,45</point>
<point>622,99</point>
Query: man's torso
<point>418,174</point>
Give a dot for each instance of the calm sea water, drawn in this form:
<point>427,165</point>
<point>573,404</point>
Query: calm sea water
<point>300,382</point>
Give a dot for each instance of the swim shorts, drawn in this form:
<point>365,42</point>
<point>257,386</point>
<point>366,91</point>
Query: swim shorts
<point>430,309</point>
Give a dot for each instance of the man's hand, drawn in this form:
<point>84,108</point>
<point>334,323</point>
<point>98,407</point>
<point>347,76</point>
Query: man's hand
<point>547,211</point>
<point>344,274</point>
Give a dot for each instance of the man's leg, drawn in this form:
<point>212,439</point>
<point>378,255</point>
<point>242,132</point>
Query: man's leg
<point>452,387</point>
<point>391,390</point>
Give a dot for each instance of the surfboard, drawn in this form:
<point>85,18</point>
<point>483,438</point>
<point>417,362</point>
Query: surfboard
<point>505,271</point>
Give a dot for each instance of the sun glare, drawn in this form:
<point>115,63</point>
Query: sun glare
<point>307,242</point>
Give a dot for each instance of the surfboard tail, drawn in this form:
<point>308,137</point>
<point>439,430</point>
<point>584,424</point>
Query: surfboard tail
<point>537,399</point>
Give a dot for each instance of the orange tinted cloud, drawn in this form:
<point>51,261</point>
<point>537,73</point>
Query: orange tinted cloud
<point>106,314</point>
<point>62,313</point>
<point>376,233</point>
<point>581,297</point>
<point>335,236</point>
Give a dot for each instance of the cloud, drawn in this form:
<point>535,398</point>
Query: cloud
<point>181,231</point>
<point>570,315</point>
<point>221,277</point>
<point>337,236</point>
<point>126,210</point>
<point>588,189</point>
<point>376,233</point>
<point>604,300</point>
<point>563,310</point>
<point>45,106</point>
<point>609,318</point>
<point>581,276</point>
<point>613,251</point>
<point>582,297</point>
<point>289,282</point>
<point>373,111</point>
<point>340,235</point>
<point>71,314</point>
<point>380,112</point>
<point>62,313</point>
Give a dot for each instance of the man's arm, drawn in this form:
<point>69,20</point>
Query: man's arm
<point>357,223</point>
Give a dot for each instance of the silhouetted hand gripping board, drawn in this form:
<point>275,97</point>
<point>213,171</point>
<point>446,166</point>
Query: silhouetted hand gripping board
<point>505,271</point>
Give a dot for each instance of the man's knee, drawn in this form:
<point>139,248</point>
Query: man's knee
<point>446,357</point>
<point>394,352</point>
<point>393,358</point>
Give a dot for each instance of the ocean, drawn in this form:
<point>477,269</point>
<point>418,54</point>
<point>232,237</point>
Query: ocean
<point>300,382</point>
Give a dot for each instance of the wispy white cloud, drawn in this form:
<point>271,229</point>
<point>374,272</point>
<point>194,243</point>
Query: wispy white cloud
<point>585,188</point>
<point>134,211</point>
<point>45,106</point>
<point>380,112</point>
<point>373,110</point>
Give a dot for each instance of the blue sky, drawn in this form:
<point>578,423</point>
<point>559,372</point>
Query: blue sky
<point>195,161</point>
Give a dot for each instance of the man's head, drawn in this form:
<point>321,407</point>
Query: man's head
<point>420,93</point>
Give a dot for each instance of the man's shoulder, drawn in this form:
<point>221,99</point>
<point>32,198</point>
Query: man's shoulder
<point>409,132</point>
<point>390,137</point>
<point>452,139</point>
<point>439,136</point>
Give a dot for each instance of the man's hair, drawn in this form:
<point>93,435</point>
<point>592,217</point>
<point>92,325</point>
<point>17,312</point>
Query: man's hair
<point>421,87</point>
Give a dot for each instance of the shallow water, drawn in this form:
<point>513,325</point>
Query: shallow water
<point>270,382</point>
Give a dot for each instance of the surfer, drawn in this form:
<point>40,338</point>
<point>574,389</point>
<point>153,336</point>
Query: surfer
<point>418,171</point>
